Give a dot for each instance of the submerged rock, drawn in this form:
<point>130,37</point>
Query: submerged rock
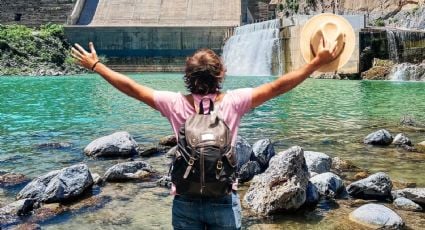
<point>317,162</point>
<point>59,185</point>
<point>128,171</point>
<point>12,179</point>
<point>417,195</point>
<point>262,152</point>
<point>328,184</point>
<point>147,151</point>
<point>420,147</point>
<point>376,186</point>
<point>243,151</point>
<point>169,140</point>
<point>119,144</point>
<point>341,165</point>
<point>407,205</point>
<point>380,137</point>
<point>401,139</point>
<point>248,171</point>
<point>9,214</point>
<point>377,216</point>
<point>55,145</point>
<point>282,186</point>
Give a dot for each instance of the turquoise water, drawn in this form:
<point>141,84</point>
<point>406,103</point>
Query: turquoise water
<point>320,115</point>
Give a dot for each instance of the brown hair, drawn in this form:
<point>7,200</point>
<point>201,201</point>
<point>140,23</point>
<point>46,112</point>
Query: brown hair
<point>203,72</point>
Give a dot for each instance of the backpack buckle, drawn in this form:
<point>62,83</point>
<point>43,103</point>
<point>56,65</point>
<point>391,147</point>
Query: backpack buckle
<point>191,161</point>
<point>219,165</point>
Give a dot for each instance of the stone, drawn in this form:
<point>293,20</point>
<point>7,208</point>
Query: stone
<point>59,185</point>
<point>12,179</point>
<point>164,181</point>
<point>169,140</point>
<point>128,171</point>
<point>172,152</point>
<point>147,151</point>
<point>377,73</point>
<point>328,184</point>
<point>262,152</point>
<point>376,186</point>
<point>97,179</point>
<point>28,226</point>
<point>417,195</point>
<point>401,139</point>
<point>282,186</point>
<point>119,144</point>
<point>376,216</point>
<point>317,162</point>
<point>243,151</point>
<point>312,196</point>
<point>18,208</point>
<point>380,137</point>
<point>361,175</point>
<point>55,145</point>
<point>341,165</point>
<point>420,147</point>
<point>407,205</point>
<point>248,171</point>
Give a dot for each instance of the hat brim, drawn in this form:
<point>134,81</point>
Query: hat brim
<point>311,27</point>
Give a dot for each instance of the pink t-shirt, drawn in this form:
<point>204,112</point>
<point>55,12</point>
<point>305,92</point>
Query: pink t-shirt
<point>176,108</point>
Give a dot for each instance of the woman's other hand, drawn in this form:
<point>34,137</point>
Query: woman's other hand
<point>327,52</point>
<point>84,58</point>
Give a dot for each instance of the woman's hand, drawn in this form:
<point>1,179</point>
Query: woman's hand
<point>327,52</point>
<point>84,58</point>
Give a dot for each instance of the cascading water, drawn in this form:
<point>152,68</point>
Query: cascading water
<point>392,46</point>
<point>408,72</point>
<point>249,52</point>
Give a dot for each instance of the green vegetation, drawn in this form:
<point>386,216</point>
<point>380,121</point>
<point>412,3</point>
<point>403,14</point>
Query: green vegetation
<point>293,5</point>
<point>379,22</point>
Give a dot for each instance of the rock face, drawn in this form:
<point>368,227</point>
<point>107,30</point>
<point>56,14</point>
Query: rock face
<point>376,186</point>
<point>417,195</point>
<point>263,151</point>
<point>59,185</point>
<point>248,171</point>
<point>282,186</point>
<point>317,163</point>
<point>119,144</point>
<point>380,137</point>
<point>401,139</point>
<point>243,151</point>
<point>328,184</point>
<point>128,171</point>
<point>406,204</point>
<point>377,216</point>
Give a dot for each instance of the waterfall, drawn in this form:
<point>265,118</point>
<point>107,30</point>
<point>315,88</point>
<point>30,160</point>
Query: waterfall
<point>392,46</point>
<point>249,52</point>
<point>408,72</point>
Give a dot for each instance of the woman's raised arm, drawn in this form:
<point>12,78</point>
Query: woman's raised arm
<point>121,82</point>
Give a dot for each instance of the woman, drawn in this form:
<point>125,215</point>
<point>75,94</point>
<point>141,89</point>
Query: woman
<point>204,74</point>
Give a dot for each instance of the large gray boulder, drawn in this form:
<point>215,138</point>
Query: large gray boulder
<point>401,139</point>
<point>282,186</point>
<point>313,195</point>
<point>376,186</point>
<point>248,171</point>
<point>377,216</point>
<point>243,151</point>
<point>262,152</point>
<point>317,162</point>
<point>119,144</point>
<point>407,205</point>
<point>328,184</point>
<point>59,185</point>
<point>380,137</point>
<point>417,195</point>
<point>128,171</point>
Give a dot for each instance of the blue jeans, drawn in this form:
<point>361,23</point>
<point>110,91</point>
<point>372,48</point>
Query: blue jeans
<point>207,213</point>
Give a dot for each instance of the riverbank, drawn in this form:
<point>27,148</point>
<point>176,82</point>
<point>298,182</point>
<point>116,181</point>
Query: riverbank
<point>35,52</point>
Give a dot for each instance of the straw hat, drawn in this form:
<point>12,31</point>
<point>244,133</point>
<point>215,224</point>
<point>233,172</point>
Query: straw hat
<point>331,27</point>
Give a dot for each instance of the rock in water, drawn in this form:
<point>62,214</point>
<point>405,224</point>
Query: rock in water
<point>169,140</point>
<point>380,137</point>
<point>420,147</point>
<point>18,208</point>
<point>119,144</point>
<point>401,139</point>
<point>243,151</point>
<point>263,151</point>
<point>376,186</point>
<point>317,162</point>
<point>313,195</point>
<point>59,185</point>
<point>417,195</point>
<point>406,204</point>
<point>282,186</point>
<point>128,171</point>
<point>248,171</point>
<point>328,184</point>
<point>377,216</point>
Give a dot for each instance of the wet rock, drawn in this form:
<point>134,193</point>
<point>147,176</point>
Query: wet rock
<point>262,152</point>
<point>169,140</point>
<point>407,120</point>
<point>97,179</point>
<point>248,171</point>
<point>401,139</point>
<point>282,186</point>
<point>12,179</point>
<point>18,208</point>
<point>47,211</point>
<point>28,226</point>
<point>417,195</point>
<point>341,165</point>
<point>119,144</point>
<point>147,151</point>
<point>312,196</point>
<point>128,171</point>
<point>380,137</point>
<point>55,145</point>
<point>328,184</point>
<point>420,147</point>
<point>376,186</point>
<point>243,151</point>
<point>377,216</point>
<point>403,184</point>
<point>376,73</point>
<point>406,204</point>
<point>164,181</point>
<point>172,152</point>
<point>361,175</point>
<point>59,185</point>
<point>317,162</point>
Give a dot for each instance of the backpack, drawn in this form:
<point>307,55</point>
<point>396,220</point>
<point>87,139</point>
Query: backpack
<point>205,162</point>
